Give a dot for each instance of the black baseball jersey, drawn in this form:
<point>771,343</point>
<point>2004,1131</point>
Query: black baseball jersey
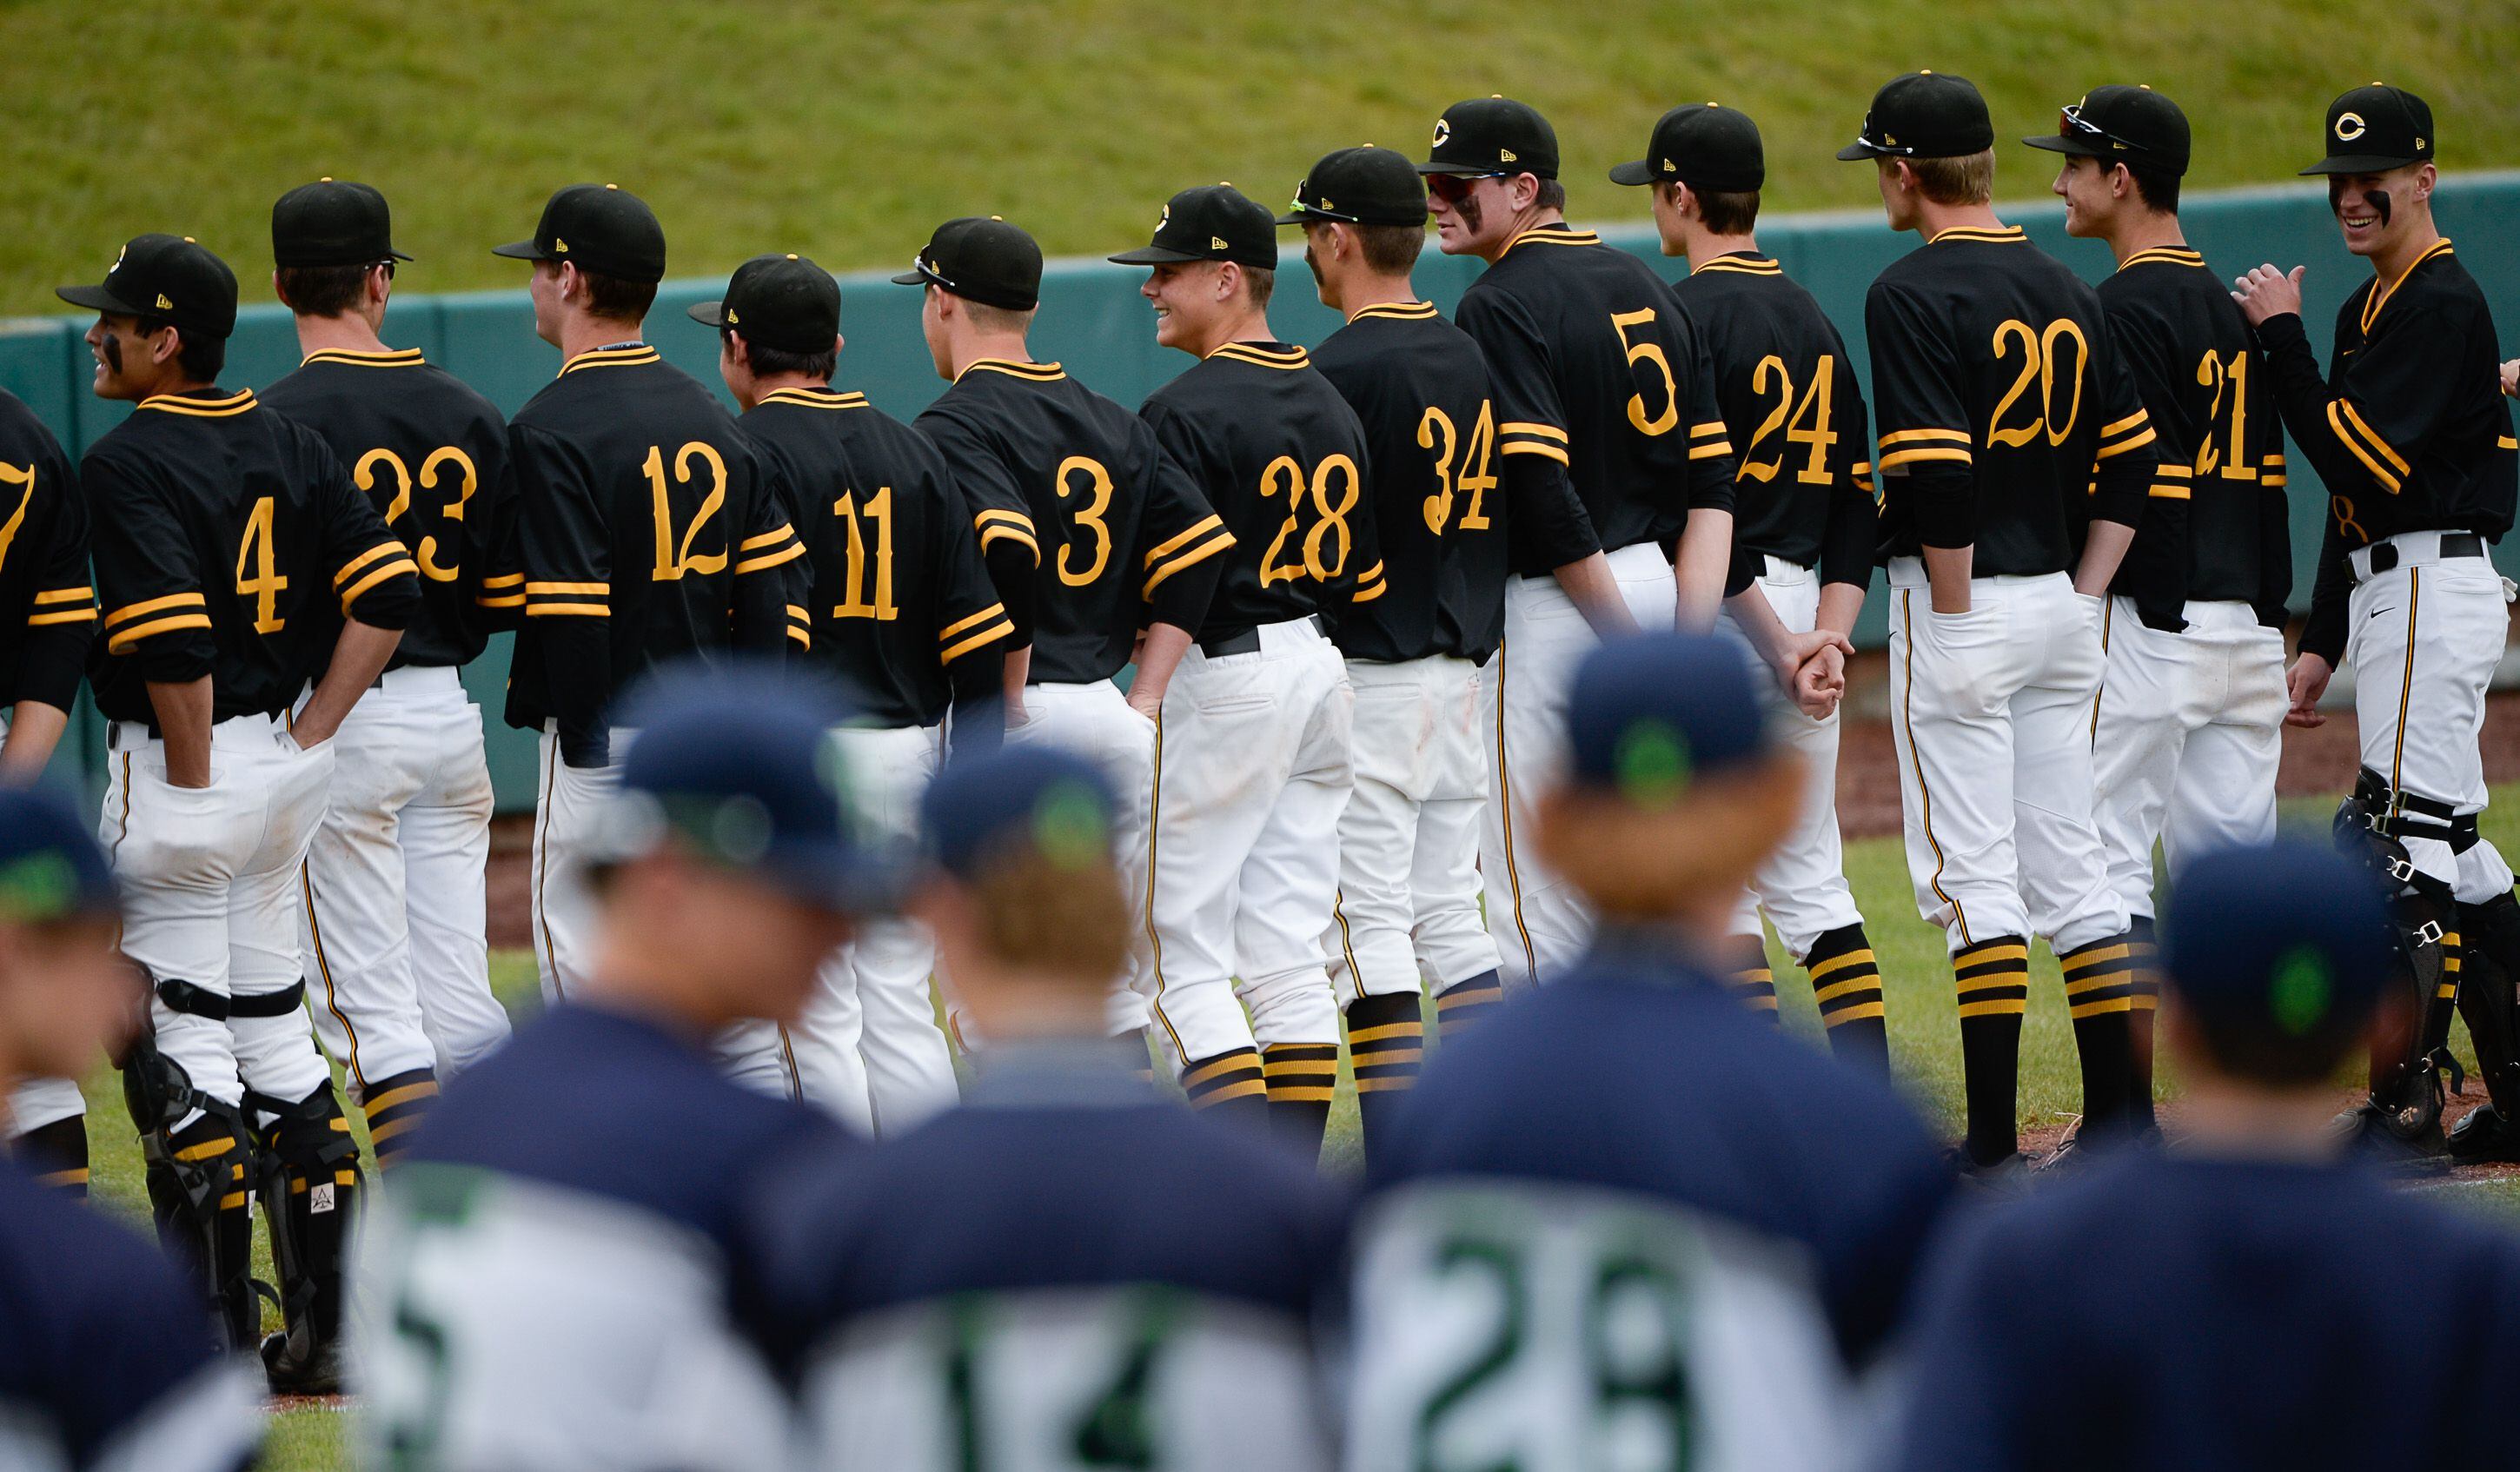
<point>230,543</point>
<point>896,596</point>
<point>47,610</point>
<point>650,532</point>
<point>1283,460</point>
<point>2409,429</point>
<point>2214,527</point>
<point>1093,530</point>
<point>1602,386</point>
<point>432,455</point>
<point>1794,414</point>
<point>2007,418</point>
<point>1419,386</point>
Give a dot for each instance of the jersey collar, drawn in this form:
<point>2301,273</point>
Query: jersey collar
<point>1554,232</point>
<point>2006,235</point>
<point>2380,294</point>
<point>2166,255</point>
<point>1745,262</point>
<point>815,398</point>
<point>408,357</point>
<point>1035,373</point>
<point>1264,354</point>
<point>615,355</point>
<point>1406,311</point>
<point>199,405</point>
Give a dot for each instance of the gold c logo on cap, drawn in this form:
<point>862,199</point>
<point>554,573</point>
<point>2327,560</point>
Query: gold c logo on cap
<point>164,304</point>
<point>1443,131</point>
<point>2350,126</point>
<point>1165,218</point>
<point>118,260</point>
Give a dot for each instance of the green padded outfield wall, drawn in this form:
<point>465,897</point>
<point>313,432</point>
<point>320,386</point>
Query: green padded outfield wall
<point>1094,321</point>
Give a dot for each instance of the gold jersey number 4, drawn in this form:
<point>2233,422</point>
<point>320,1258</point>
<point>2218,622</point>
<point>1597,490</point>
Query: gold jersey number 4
<point>258,568</point>
<point>1470,474</point>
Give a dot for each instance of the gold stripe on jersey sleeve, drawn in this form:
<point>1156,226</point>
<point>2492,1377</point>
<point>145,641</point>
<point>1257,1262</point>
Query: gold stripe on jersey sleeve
<point>801,634</point>
<point>2379,471</point>
<point>1539,431</point>
<point>118,643</point>
<point>83,593</point>
<point>1709,449</point>
<point>2355,419</point>
<point>2120,446</point>
<point>395,568</point>
<point>384,549</point>
<point>1922,453</point>
<point>1910,436</point>
<point>1533,447</point>
<point>2506,442</point>
<point>538,589</point>
<point>1174,544</point>
<point>2124,426</point>
<point>1000,516</point>
<point>769,559</point>
<point>953,629</point>
<point>1191,557</point>
<point>996,525</point>
<point>767,539</point>
<point>505,600</point>
<point>1370,586</point>
<point>502,581</point>
<point>129,612</point>
<point>62,616</point>
<point>577,611</point>
<point>1706,430</point>
<point>799,614</point>
<point>1003,628</point>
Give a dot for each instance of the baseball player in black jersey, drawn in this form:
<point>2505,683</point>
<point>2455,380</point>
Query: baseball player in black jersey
<point>897,603</point>
<point>2014,461</point>
<point>1803,527</point>
<point>1608,439</point>
<point>2415,447</point>
<point>650,530</point>
<point>393,924</point>
<point>47,616</point>
<point>235,562</point>
<point>1092,533</point>
<point>1251,744</point>
<point>1408,910</point>
<point>2190,725</point>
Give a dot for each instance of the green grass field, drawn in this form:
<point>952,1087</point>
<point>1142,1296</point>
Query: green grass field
<point>847,130</point>
<point>1922,1030</point>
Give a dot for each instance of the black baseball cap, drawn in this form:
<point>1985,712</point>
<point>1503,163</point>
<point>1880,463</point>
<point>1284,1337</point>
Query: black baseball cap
<point>780,301</point>
<point>1704,146</point>
<point>983,259</point>
<point>1214,222</point>
<point>1360,186</point>
<point>603,227</point>
<point>2374,128</point>
<point>165,276</point>
<point>2123,125</point>
<point>1924,114</point>
<point>1492,135</point>
<point>329,223</point>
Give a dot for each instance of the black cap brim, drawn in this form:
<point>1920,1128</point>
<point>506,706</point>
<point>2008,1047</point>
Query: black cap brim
<point>521,250</point>
<point>1464,170</point>
<point>707,313</point>
<point>2079,148</point>
<point>1859,149</point>
<point>1154,256</point>
<point>99,300</point>
<point>2359,163</point>
<point>1637,171</point>
<point>912,279</point>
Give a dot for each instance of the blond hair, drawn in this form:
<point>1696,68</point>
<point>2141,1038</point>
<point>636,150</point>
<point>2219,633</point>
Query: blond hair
<point>1966,180</point>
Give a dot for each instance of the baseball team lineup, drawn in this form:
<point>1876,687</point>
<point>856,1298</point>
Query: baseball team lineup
<point>1458,697</point>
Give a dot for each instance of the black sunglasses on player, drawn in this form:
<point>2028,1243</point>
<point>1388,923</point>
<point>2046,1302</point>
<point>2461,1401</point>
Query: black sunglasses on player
<point>1453,189</point>
<point>2070,120</point>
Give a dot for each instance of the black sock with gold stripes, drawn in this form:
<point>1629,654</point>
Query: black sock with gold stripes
<point>395,1107</point>
<point>2147,1001</point>
<point>56,1154</point>
<point>1993,981</point>
<point>2100,995</point>
<point>1463,1002</point>
<point>1746,968</point>
<point>1386,1042</point>
<point>1229,1085</point>
<point>1301,1078</point>
<point>1846,982</point>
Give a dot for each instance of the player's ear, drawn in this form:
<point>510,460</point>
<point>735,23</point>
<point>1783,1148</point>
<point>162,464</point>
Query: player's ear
<point>838,343</point>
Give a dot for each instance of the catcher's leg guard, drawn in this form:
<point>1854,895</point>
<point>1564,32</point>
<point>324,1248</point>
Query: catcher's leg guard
<point>309,1183</point>
<point>2404,1111</point>
<point>197,1180</point>
<point>2489,965</point>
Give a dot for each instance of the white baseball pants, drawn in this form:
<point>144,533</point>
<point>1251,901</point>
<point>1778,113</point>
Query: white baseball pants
<point>1992,710</point>
<point>1095,722</point>
<point>1541,925</point>
<point>393,924</point>
<point>37,1102</point>
<point>210,895</point>
<point>569,804</point>
<point>868,1047</point>
<point>2424,639</point>
<point>1251,773</point>
<point>1409,842</point>
<point>2185,745</point>
<point>1802,887</point>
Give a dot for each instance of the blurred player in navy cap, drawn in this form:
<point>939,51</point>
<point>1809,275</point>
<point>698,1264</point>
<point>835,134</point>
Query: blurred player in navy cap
<point>2242,1299</point>
<point>547,1285</point>
<point>1069,1269</point>
<point>1629,1218</point>
<point>106,1360</point>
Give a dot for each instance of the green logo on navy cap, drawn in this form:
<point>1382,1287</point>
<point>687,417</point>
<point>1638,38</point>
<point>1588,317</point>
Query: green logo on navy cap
<point>1651,763</point>
<point>40,886</point>
<point>1069,826</point>
<point>2299,990</point>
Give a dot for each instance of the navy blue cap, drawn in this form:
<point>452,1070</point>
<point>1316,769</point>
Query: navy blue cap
<point>50,865</point>
<point>736,762</point>
<point>2289,937</point>
<point>1652,713</point>
<point>1018,799</point>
